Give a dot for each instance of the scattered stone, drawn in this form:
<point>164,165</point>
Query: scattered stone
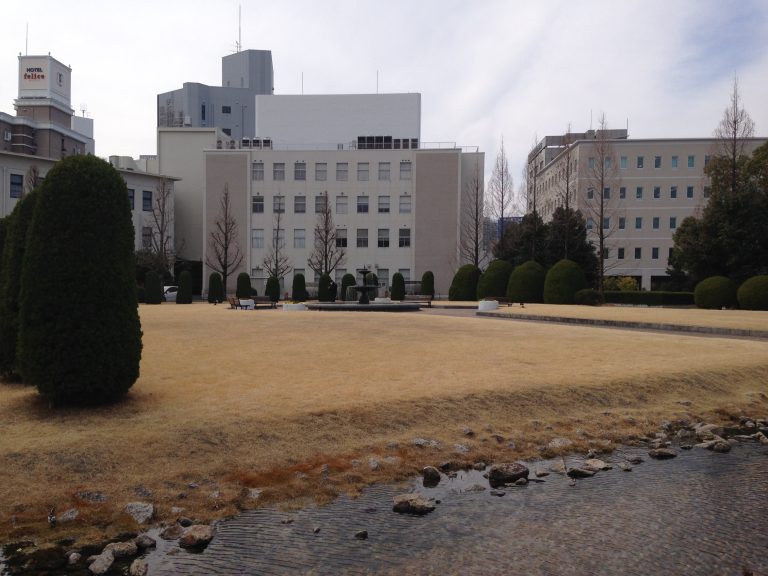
<point>450,465</point>
<point>539,472</point>
<point>475,488</point>
<point>556,443</point>
<point>625,467</point>
<point>184,522</point>
<point>498,437</point>
<point>286,521</point>
<point>468,432</point>
<point>521,481</point>
<point>73,558</point>
<point>684,402</point>
<point>685,435</point>
<point>324,471</point>
<point>177,510</point>
<point>172,532</point>
<point>706,445</point>
<point>361,534</point>
<point>392,445</point>
<point>68,516</point>
<point>143,491</point>
<point>197,536</point>
<point>300,476</point>
<point>193,485</point>
<point>391,460</point>
<point>181,496</point>
<point>686,446</point>
<point>506,473</point>
<point>316,530</point>
<point>705,431</point>
<point>511,445</point>
<point>635,460</point>
<point>102,563</point>
<point>216,494</point>
<point>141,512</point>
<point>762,438</point>
<point>662,453</point>
<point>373,464</point>
<point>123,549</point>
<point>424,443</point>
<point>254,493</point>
<point>172,552</point>
<point>460,448</point>
<point>498,493</point>
<point>591,454</point>
<point>91,497</point>
<point>597,464</point>
<point>412,504</point>
<point>479,466</point>
<point>721,447</point>
<point>557,468</point>
<point>138,567</point>
<point>431,476</point>
<point>580,473</point>
<point>355,463</point>
<point>144,542</point>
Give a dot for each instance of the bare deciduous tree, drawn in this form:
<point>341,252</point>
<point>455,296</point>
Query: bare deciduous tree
<point>31,179</point>
<point>276,263</point>
<point>224,252</point>
<point>472,247</point>
<point>732,133</point>
<point>161,244</point>
<point>501,190</point>
<point>326,255</point>
<point>565,181</point>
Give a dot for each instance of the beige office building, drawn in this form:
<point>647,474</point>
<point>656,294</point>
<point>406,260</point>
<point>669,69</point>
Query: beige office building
<point>651,185</point>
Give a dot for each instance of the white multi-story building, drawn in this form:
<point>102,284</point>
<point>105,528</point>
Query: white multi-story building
<point>650,186</point>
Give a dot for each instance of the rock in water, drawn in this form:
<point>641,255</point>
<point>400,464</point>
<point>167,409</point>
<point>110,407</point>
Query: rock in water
<point>580,473</point>
<point>172,532</point>
<point>361,534</point>
<point>412,504</point>
<point>138,568</point>
<point>662,453</point>
<point>506,473</point>
<point>721,447</point>
<point>197,536</point>
<point>123,549</point>
<point>102,563</point>
<point>596,464</point>
<point>145,542</point>
<point>431,476</point>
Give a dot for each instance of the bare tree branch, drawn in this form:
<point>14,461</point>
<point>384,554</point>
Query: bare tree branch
<point>326,256</point>
<point>276,263</point>
<point>501,191</point>
<point>224,253</point>
<point>472,246</point>
<point>161,245</point>
<point>732,133</point>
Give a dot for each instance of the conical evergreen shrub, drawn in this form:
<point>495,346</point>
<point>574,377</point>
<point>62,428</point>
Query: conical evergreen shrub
<point>243,289</point>
<point>324,289</point>
<point>526,283</point>
<point>562,282</point>
<point>427,283</point>
<point>464,284</point>
<point>346,281</point>
<point>299,288</point>
<point>153,288</point>
<point>494,280</point>
<point>184,295</point>
<point>273,289</point>
<point>215,288</point>
<point>398,287</point>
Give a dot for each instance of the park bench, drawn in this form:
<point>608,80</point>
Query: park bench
<point>264,301</point>
<point>420,298</point>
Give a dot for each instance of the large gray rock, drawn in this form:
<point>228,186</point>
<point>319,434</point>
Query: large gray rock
<point>141,512</point>
<point>172,532</point>
<point>143,542</point>
<point>662,453</point>
<point>68,516</point>
<point>412,504</point>
<point>431,476</point>
<point>138,567</point>
<point>556,443</point>
<point>596,464</point>
<point>721,447</point>
<point>506,473</point>
<point>580,472</point>
<point>123,549</point>
<point>196,536</point>
<point>102,563</point>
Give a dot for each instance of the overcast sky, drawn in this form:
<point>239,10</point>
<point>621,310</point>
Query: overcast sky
<point>485,69</point>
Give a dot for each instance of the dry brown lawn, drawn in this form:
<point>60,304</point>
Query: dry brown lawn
<point>232,399</point>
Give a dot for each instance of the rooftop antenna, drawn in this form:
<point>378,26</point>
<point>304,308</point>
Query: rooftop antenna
<point>83,108</point>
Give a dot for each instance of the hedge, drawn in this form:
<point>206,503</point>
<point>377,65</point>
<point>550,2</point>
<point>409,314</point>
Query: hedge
<point>298,288</point>
<point>526,283</point>
<point>588,297</point>
<point>494,280</point>
<point>562,282</point>
<point>427,284</point>
<point>753,293</point>
<point>398,287</point>
<point>243,289</point>
<point>644,298</point>
<point>715,292</point>
<point>153,288</point>
<point>464,284</point>
<point>272,289</point>
<point>215,288</point>
<point>184,295</point>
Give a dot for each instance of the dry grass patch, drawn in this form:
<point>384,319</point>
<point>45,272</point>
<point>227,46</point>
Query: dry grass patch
<point>229,400</point>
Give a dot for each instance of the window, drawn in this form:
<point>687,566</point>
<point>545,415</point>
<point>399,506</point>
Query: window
<point>362,204</point>
<point>691,161</point>
<point>591,162</point>
<point>621,253</point>
<point>257,205</point>
<point>607,162</point>
<point>405,273</point>
<point>706,161</point>
<point>623,192</point>
<point>655,222</point>
<point>300,171</point>
<point>606,223</point>
<point>657,161</point>
<point>673,192</point>
<point>146,201</point>
<point>341,204</point>
<point>672,222</point>
<point>299,237</point>
<point>362,237</point>
<point>257,238</point>
<point>341,237</point>
<point>590,193</point>
<point>278,238</point>
<point>342,171</point>
<point>227,131</point>
<point>226,109</point>
<point>654,253</point>
<point>299,204</point>
<point>590,223</point>
<point>623,162</point>
<point>405,204</point>
<point>383,204</point>
<point>17,185</point>
<point>339,274</point>
<point>257,171</point>
<point>606,253</point>
<point>321,203</point>
<point>657,192</point>
<point>622,222</point>
<point>405,170</point>
<point>674,161</point>
<point>640,161</point>
<point>689,192</point>
<point>638,253</point>
<point>383,237</point>
<point>130,197</point>
<point>146,237</point>
<point>383,276</point>
<point>383,170</point>
<point>669,252</point>
<point>607,193</point>
<point>638,223</point>
<point>707,190</point>
<point>405,238</point>
<point>639,193</point>
<point>278,171</point>
<point>278,204</point>
<point>321,171</point>
<point>362,171</point>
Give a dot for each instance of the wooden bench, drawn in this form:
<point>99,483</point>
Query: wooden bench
<point>234,303</point>
<point>251,303</point>
<point>420,298</point>
<point>264,301</point>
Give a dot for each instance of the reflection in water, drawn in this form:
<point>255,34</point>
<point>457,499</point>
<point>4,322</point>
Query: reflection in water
<point>701,513</point>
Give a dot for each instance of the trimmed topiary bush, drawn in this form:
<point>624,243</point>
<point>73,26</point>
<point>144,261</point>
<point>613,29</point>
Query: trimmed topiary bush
<point>620,284</point>
<point>299,288</point>
<point>715,292</point>
<point>324,289</point>
<point>562,282</point>
<point>153,288</point>
<point>371,279</point>
<point>215,288</point>
<point>243,287</point>
<point>427,283</point>
<point>346,281</point>
<point>753,293</point>
<point>526,283</point>
<point>272,289</point>
<point>398,287</point>
<point>588,297</point>
<point>464,284</point>
<point>493,282</point>
<point>79,331</point>
<point>184,295</point>
<point>141,294</point>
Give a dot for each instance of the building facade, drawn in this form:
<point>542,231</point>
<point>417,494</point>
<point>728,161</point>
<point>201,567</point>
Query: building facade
<point>649,186</point>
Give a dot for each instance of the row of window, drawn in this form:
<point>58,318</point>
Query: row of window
<point>638,252</point>
<point>655,223</point>
<point>640,191</point>
<point>342,204</point>
<point>146,199</point>
<point>381,273</point>
<point>321,171</point>
<point>300,238</point>
<point>640,162</point>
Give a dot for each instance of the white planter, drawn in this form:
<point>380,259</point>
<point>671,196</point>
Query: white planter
<point>293,307</point>
<point>382,300</point>
<point>486,305</point>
